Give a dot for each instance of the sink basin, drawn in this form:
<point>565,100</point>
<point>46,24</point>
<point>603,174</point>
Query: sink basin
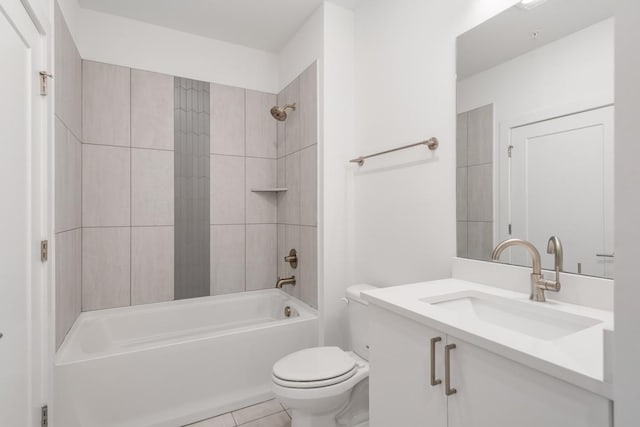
<point>536,320</point>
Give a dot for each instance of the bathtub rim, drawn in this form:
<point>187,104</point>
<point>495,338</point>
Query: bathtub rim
<point>65,356</point>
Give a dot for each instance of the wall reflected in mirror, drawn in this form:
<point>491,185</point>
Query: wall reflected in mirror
<point>535,141</point>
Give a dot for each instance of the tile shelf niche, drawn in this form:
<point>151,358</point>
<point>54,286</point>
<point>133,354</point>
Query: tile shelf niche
<point>269,190</point>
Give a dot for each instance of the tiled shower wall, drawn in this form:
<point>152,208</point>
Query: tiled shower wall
<point>128,197</point>
<point>474,183</point>
<point>297,170</point>
<point>127,187</point>
<point>68,164</point>
<point>191,166</point>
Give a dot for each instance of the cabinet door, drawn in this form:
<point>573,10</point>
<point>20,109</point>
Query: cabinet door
<point>401,393</point>
<point>496,392</point>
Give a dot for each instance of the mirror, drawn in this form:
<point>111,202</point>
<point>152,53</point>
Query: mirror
<point>535,137</point>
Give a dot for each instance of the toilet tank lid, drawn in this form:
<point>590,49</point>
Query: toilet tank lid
<point>353,292</point>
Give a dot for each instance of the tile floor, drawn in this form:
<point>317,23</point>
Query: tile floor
<point>266,414</point>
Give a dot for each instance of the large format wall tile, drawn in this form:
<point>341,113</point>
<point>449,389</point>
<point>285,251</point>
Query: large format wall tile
<point>68,247</point>
<point>480,240</point>
<point>480,135</point>
<point>106,104</point>
<point>461,239</point>
<point>308,110</point>
<point>461,139</point>
<point>68,159</point>
<point>227,259</point>
<point>227,189</point>
<point>480,182</point>
<point>308,185</point>
<point>261,207</point>
<point>106,267</point>
<point>261,133</point>
<point>292,128</point>
<point>308,265</point>
<point>289,201</point>
<point>68,76</point>
<point>461,194</point>
<point>152,264</point>
<point>227,106</point>
<point>280,131</point>
<point>262,249</point>
<point>151,110</point>
<point>105,186</point>
<point>152,187</point>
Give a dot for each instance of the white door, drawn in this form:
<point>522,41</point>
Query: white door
<point>21,170</point>
<point>562,185</point>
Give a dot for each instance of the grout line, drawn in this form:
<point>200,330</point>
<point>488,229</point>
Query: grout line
<point>297,151</point>
<point>246,258</point>
<point>130,189</point>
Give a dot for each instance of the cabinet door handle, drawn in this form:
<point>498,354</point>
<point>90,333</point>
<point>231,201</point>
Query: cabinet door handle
<point>447,370</point>
<point>434,380</point>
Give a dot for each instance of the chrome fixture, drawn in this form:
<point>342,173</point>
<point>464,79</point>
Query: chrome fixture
<point>554,247</point>
<point>280,113</point>
<point>292,258</point>
<point>286,281</point>
<point>287,311</point>
<point>431,143</point>
<point>538,283</point>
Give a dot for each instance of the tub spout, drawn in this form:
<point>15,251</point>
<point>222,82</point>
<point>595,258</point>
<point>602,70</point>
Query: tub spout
<point>286,281</point>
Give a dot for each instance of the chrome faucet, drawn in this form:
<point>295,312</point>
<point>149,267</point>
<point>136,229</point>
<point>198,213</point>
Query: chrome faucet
<point>538,283</point>
<point>286,281</point>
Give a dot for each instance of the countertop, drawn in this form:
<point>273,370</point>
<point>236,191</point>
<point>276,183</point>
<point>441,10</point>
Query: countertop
<point>576,358</point>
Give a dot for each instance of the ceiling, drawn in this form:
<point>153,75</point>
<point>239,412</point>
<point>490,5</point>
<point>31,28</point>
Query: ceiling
<point>260,24</point>
<point>510,34</point>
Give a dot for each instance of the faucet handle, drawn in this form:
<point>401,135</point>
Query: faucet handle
<point>292,258</point>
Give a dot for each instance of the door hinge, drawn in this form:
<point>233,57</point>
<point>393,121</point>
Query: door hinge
<point>509,229</point>
<point>44,86</point>
<point>44,416</point>
<point>510,151</point>
<point>44,250</point>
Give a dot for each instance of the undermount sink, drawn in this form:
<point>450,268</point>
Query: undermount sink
<point>536,320</point>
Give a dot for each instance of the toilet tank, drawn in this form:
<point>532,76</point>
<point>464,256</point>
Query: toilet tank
<point>358,320</point>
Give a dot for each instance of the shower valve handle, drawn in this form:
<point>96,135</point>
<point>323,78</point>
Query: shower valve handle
<point>292,258</point>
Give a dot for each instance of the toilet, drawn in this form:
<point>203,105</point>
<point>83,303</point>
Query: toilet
<point>328,386</point>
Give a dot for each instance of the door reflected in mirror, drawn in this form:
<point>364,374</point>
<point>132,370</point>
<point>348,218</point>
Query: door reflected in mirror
<point>535,141</point>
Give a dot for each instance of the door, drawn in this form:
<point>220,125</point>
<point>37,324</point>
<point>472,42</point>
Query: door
<point>562,184</point>
<point>21,170</point>
<point>495,391</point>
<point>400,388</point>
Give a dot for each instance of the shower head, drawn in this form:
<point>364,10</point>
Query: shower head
<point>280,113</point>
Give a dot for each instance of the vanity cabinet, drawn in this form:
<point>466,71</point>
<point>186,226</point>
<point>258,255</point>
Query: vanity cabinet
<point>491,391</point>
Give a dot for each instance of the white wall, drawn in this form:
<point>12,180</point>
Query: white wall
<point>582,71</point>
<point>338,141</point>
<point>115,40</point>
<point>304,47</point>
<point>627,291</point>
<point>404,218</point>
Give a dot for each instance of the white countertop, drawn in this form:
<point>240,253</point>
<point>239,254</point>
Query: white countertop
<point>575,358</point>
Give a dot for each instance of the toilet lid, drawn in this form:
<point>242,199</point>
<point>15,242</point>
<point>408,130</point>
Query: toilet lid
<point>314,364</point>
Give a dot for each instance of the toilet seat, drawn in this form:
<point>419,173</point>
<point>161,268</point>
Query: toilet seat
<point>314,367</point>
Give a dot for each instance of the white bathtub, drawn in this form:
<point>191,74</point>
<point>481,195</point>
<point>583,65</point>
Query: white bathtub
<point>173,363</point>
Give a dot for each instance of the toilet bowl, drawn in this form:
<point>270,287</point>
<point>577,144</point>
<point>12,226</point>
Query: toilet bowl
<point>327,386</point>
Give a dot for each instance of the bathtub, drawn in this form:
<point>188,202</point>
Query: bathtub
<point>169,364</point>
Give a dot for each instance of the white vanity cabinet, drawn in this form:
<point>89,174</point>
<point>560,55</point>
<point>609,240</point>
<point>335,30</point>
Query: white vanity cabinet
<point>491,391</point>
